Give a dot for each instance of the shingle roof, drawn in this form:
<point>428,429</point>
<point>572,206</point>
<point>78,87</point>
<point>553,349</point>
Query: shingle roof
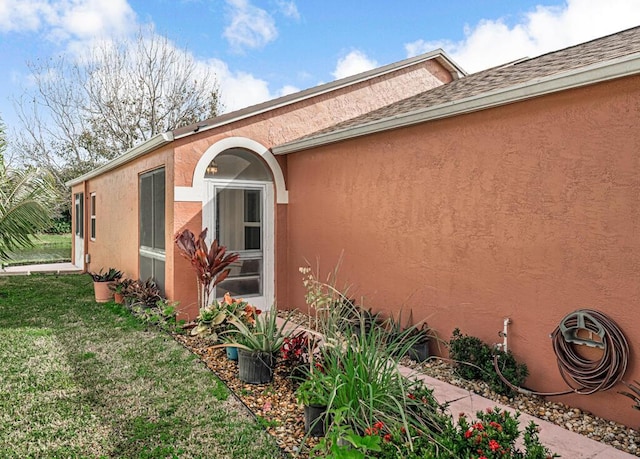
<point>519,72</point>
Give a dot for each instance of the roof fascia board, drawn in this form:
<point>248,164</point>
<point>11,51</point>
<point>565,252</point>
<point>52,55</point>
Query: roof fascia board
<point>597,73</point>
<point>137,151</point>
<point>438,55</point>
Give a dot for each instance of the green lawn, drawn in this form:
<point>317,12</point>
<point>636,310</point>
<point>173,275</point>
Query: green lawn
<point>48,248</point>
<point>86,380</point>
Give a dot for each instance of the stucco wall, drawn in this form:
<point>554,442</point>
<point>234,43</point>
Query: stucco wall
<point>281,125</point>
<point>529,211</point>
<point>117,211</point>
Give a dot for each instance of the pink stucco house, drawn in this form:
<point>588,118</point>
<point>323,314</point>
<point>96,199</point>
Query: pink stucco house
<point>510,193</point>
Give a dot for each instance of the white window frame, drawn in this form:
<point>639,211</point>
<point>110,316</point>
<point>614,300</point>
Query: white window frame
<point>92,216</point>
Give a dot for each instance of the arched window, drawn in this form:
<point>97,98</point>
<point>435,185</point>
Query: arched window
<point>238,164</point>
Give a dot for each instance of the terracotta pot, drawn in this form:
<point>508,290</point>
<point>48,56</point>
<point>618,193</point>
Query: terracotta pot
<point>255,367</point>
<point>102,291</point>
<point>118,298</point>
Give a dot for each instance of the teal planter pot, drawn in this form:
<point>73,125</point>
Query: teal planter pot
<point>232,353</point>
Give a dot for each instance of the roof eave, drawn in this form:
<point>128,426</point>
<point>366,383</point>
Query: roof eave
<point>597,73</point>
<point>438,55</point>
<point>153,143</point>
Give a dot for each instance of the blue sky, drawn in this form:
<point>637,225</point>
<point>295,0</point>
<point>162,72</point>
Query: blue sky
<point>261,49</point>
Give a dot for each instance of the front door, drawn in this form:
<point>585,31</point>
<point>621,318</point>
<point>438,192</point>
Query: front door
<point>240,216</point>
<point>78,239</point>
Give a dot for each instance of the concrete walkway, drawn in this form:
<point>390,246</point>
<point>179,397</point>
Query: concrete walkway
<point>47,268</point>
<point>569,445</point>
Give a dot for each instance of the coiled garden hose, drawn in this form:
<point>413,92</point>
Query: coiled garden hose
<point>585,376</point>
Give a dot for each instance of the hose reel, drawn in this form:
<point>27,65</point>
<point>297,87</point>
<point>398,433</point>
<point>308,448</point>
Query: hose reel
<point>585,376</point>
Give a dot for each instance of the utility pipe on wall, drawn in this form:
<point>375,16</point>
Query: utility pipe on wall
<point>505,329</point>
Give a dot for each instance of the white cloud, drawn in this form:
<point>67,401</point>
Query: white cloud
<point>353,63</point>
<point>250,27</point>
<point>239,89</point>
<point>287,89</point>
<point>63,20</point>
<point>288,9</point>
<point>544,29</point>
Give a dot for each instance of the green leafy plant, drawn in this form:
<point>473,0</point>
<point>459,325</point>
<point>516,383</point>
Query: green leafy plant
<point>266,335</point>
<point>214,320</point>
<point>342,442</point>
<point>474,361</point>
<point>316,390</point>
<point>492,435</point>
<point>211,264</point>
<point>112,275</point>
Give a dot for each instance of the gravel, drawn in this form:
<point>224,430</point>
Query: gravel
<point>276,408</point>
<point>617,435</point>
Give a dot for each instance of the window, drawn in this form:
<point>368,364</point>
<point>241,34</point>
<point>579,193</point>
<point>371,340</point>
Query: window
<point>93,216</point>
<point>152,222</point>
<point>79,215</point>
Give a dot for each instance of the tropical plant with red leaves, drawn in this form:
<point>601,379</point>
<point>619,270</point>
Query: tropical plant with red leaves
<point>211,264</point>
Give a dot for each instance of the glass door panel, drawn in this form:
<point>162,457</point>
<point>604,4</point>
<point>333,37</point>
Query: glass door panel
<point>239,227</point>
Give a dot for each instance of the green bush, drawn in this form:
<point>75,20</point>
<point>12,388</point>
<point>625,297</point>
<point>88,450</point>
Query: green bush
<point>59,226</point>
<point>474,361</point>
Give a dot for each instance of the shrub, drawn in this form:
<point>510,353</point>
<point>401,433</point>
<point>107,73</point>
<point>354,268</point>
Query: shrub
<point>474,361</point>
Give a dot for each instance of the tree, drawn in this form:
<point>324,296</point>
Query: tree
<point>90,109</point>
<point>26,203</point>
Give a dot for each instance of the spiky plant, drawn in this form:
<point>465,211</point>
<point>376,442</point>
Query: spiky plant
<point>211,264</point>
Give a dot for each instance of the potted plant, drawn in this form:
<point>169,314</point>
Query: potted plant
<point>412,340</point>
<point>102,283</point>
<point>420,337</point>
<point>211,264</point>
<point>258,345</point>
<point>214,321</point>
<point>314,394</point>
<point>120,289</point>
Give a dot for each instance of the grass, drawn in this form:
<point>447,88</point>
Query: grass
<point>48,248</point>
<point>87,380</point>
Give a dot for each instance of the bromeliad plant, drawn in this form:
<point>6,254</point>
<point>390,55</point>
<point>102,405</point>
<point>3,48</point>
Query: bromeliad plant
<point>266,335</point>
<point>214,320</point>
<point>112,275</point>
<point>211,264</point>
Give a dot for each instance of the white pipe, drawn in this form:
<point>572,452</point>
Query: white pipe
<point>505,330</point>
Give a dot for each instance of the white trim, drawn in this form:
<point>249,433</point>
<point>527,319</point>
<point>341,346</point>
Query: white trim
<point>196,192</point>
<point>596,73</point>
<point>162,139</point>
<point>150,252</point>
<point>92,216</point>
<point>137,151</point>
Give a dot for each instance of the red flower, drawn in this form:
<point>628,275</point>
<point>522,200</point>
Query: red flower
<point>494,445</point>
<point>468,433</point>
<point>478,425</point>
<point>496,426</point>
<point>368,431</point>
<point>482,457</point>
<point>411,396</point>
<point>387,438</point>
<point>378,425</point>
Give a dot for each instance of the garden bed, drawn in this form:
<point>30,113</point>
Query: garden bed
<point>275,406</point>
